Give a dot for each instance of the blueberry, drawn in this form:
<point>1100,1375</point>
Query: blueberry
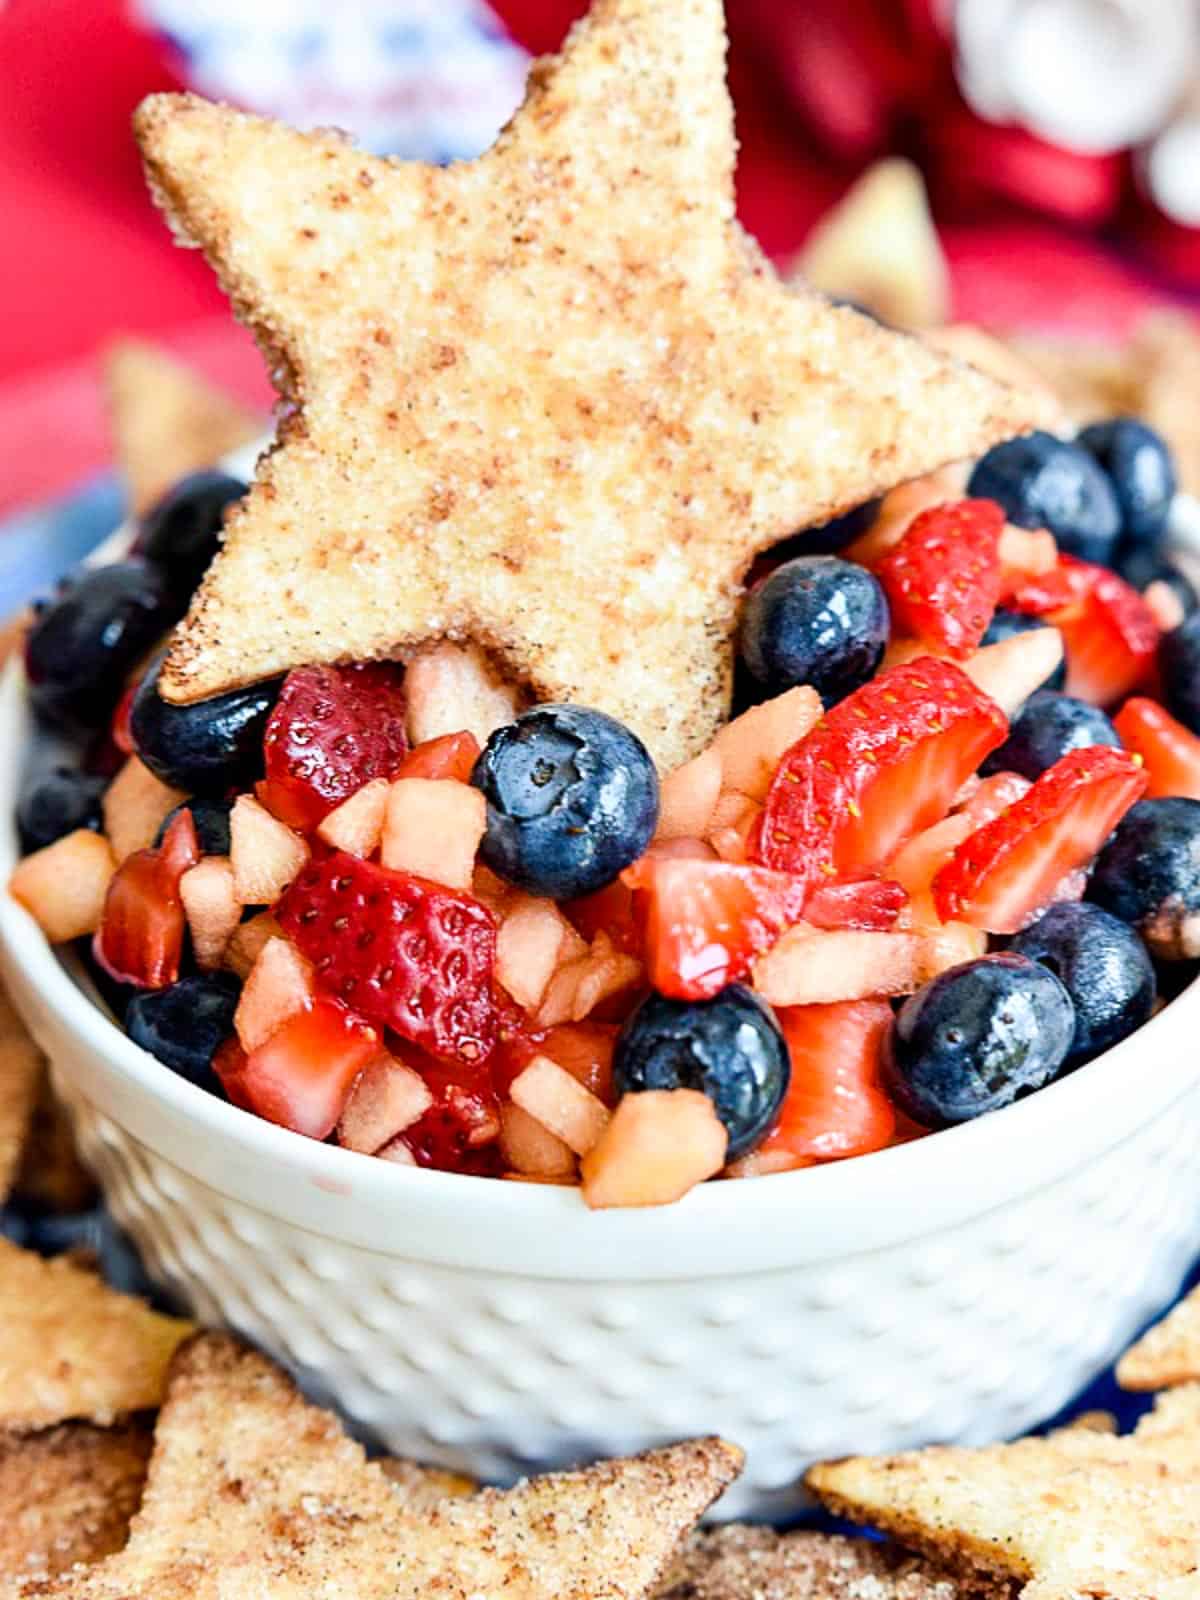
<point>816,620</point>
<point>1148,874</point>
<point>181,533</point>
<point>1103,966</point>
<point>1139,463</point>
<point>572,798</point>
<point>1179,666</point>
<point>203,748</point>
<point>1141,566</point>
<point>1005,624</point>
<point>978,1037</point>
<point>56,802</point>
<point>184,1024</point>
<point>1049,725</point>
<point>211,818</point>
<point>729,1048</point>
<point>829,537</point>
<point>1043,482</point>
<point>83,644</point>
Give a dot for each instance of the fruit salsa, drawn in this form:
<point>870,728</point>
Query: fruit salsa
<point>945,851</point>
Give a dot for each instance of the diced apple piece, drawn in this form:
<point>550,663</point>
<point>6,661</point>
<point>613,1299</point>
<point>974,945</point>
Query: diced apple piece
<point>810,968</point>
<point>657,1146</point>
<point>212,908</point>
<point>134,806</point>
<point>432,827</point>
<point>64,886</point>
<point>560,1103</point>
<point>529,946</point>
<point>1164,605</point>
<point>688,796</point>
<point>266,854</point>
<point>247,941</point>
<point>752,745</point>
<point>1026,552</point>
<point>356,826</point>
<point>762,1163</point>
<point>398,1152</point>
<point>496,895</point>
<point>280,984</point>
<point>452,688</point>
<point>1012,669</point>
<point>531,1149</point>
<point>387,1098</point>
<point>900,506</point>
<point>947,946</point>
<point>579,985</point>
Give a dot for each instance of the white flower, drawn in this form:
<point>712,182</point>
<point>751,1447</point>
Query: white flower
<point>1094,75</point>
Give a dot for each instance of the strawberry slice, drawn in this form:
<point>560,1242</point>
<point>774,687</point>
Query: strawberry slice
<point>120,730</point>
<point>835,1105</point>
<point>943,580</point>
<point>458,1133</point>
<point>1109,632</point>
<point>302,1076</point>
<point>140,937</point>
<point>406,953</point>
<point>870,903</point>
<point>332,730</point>
<point>450,755</point>
<point>1006,872</point>
<point>882,765</point>
<point>1170,752</point>
<point>704,922</point>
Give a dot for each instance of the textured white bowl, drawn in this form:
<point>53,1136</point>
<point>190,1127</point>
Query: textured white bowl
<point>960,1288</point>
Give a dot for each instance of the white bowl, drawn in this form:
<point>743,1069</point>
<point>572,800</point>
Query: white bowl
<point>959,1288</point>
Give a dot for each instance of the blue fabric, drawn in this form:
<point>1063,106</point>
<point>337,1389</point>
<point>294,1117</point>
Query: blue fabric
<point>38,546</point>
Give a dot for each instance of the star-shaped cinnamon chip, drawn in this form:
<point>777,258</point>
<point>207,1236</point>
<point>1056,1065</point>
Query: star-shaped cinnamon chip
<point>1168,1353</point>
<point>553,400</point>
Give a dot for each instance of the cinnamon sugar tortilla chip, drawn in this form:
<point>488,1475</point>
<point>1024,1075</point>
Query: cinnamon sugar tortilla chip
<point>70,1347</point>
<point>1169,1353</point>
<point>1079,1513</point>
<point>166,420</point>
<point>253,1492</point>
<point>67,1496</point>
<point>421,1487</point>
<point>52,1176</point>
<point>22,1071</point>
<point>553,400</point>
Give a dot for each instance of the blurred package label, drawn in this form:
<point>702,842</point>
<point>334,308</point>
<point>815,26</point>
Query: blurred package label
<point>431,80</point>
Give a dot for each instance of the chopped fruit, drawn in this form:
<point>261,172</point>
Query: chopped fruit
<point>836,1105</point>
<point>229,1063</point>
<point>688,797</point>
<point>432,827</point>
<point>398,1152</point>
<point>1170,752</point>
<point>753,745</point>
<point>1008,870</point>
<point>994,795</point>
<point>763,1163</point>
<point>530,1149</point>
<point>943,579</point>
<point>406,953</point>
<point>301,1077</point>
<point>881,766</point>
<point>657,1147</point>
<point>874,903</point>
<point>247,941</point>
<point>1063,589</point>
<point>451,688</point>
<point>917,863</point>
<point>556,1099</point>
<point>705,921</point>
<point>1164,605</point>
<point>1025,553</point>
<point>63,886</point>
<point>732,844</point>
<point>816,620</point>
<point>1016,667</point>
<point>357,825</point>
<point>332,730</point>
<point>585,1050</point>
<point>453,755</point>
<point>134,806</point>
<point>530,945</point>
<point>266,854</point>
<point>899,509</point>
<point>279,985</point>
<point>459,1131</point>
<point>1046,482</point>
<point>212,909</point>
<point>120,731</point>
<point>1148,874</point>
<point>140,937</point>
<point>811,968</point>
<point>610,910</point>
<point>580,986</point>
<point>1111,644</point>
<point>387,1099</point>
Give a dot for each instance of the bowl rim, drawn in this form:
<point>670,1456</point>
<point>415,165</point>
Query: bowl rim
<point>868,1202</point>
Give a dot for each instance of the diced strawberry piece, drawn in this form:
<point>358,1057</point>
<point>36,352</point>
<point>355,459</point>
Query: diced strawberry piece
<point>882,765</point>
<point>302,1075</point>
<point>1108,630</point>
<point>405,953</point>
<point>459,1131</point>
<point>120,731</point>
<point>140,938</point>
<point>835,1105</point>
<point>705,921</point>
<point>943,580</point>
<point>1063,588</point>
<point>872,903</point>
<point>332,730</point>
<point>610,910</point>
<point>585,1050</point>
<point>1170,752</point>
<point>1008,870</point>
<point>229,1064</point>
<point>451,755</point>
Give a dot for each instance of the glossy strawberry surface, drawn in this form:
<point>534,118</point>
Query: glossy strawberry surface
<point>943,579</point>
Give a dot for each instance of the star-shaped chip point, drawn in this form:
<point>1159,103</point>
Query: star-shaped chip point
<point>552,401</point>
